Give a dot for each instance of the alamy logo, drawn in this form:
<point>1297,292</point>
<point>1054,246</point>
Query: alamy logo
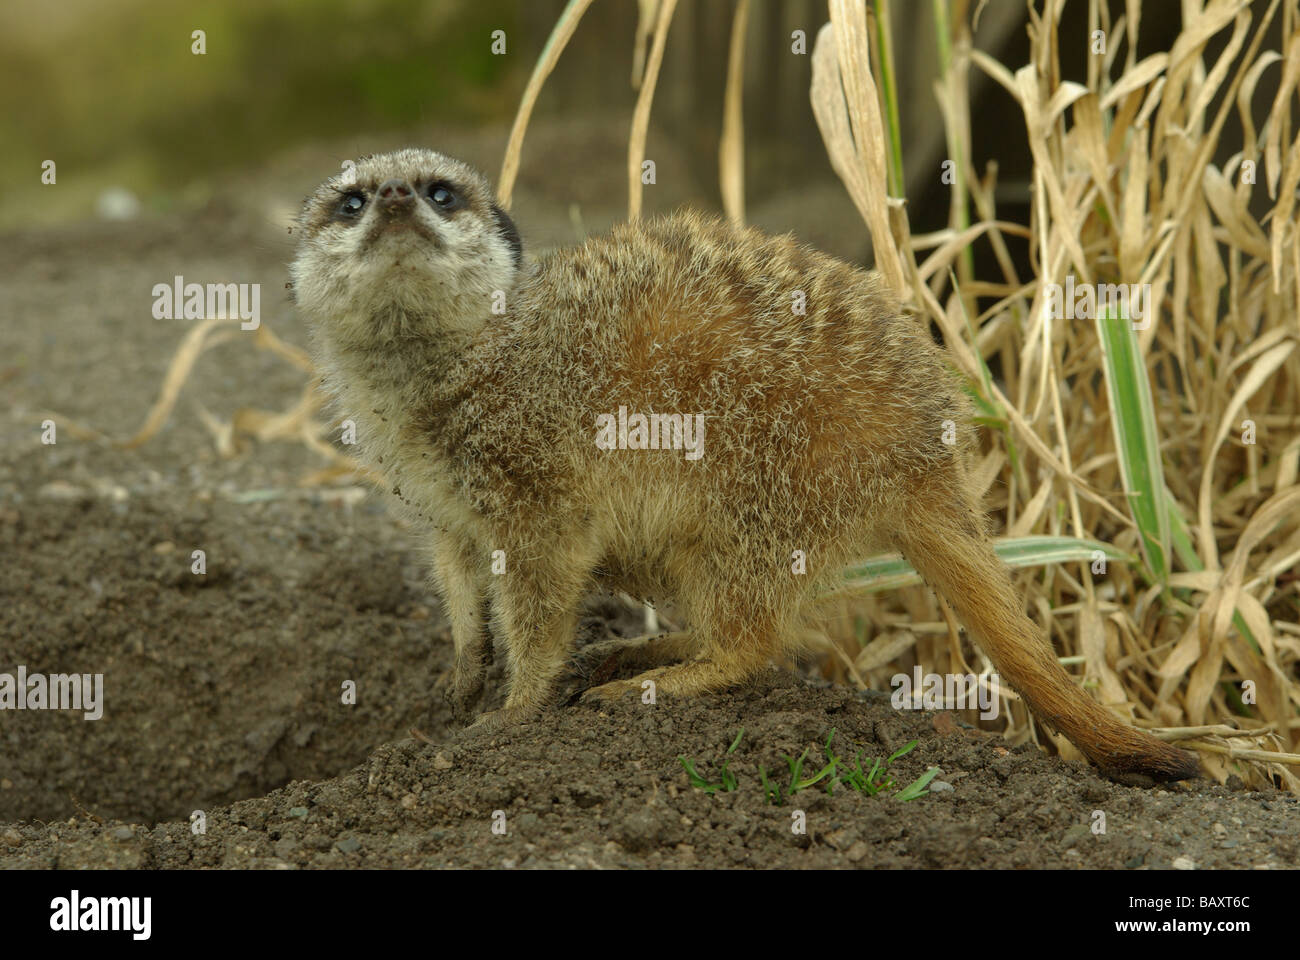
<point>58,691</point>
<point>1087,301</point>
<point>944,691</point>
<point>654,431</point>
<point>198,301</point>
<point>102,913</point>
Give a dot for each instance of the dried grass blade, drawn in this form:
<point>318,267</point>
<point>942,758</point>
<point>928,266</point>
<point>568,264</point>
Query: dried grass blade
<point>555,44</point>
<point>842,82</point>
<point>641,115</point>
<point>731,149</point>
<point>193,344</point>
<point>1264,367</point>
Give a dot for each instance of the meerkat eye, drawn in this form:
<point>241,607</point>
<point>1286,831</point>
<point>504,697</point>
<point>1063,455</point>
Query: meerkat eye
<point>442,197</point>
<point>352,204</point>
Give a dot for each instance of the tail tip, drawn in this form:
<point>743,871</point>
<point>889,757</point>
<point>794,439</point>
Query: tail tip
<point>1159,764</point>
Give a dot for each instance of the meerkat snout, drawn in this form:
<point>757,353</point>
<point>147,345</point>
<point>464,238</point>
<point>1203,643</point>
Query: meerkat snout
<point>396,198</point>
<point>478,383</point>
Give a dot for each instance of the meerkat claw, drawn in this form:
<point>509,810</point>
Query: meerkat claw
<point>492,723</point>
<point>460,704</point>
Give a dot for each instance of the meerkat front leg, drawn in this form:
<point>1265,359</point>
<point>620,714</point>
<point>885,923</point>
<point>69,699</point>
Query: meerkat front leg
<point>464,596</point>
<point>536,605</point>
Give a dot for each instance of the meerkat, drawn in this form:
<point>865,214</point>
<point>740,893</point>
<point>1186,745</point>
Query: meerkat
<point>800,413</point>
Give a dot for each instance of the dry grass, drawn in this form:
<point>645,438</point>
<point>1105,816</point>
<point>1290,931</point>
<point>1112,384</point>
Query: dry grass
<point>1130,453</point>
<point>1133,438</point>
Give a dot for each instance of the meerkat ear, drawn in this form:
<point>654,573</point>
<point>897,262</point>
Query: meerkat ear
<point>510,234</point>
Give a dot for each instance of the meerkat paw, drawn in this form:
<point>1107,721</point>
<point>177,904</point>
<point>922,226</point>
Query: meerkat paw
<point>494,722</point>
<point>463,685</point>
<point>460,698</point>
<point>460,690</point>
<point>618,689</point>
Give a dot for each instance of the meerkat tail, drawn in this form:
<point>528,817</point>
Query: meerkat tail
<point>970,576</point>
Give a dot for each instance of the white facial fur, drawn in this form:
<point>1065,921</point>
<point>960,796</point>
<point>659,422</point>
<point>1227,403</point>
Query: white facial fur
<point>435,272</point>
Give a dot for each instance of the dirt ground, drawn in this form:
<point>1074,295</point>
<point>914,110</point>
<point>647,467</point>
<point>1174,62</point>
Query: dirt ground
<point>223,691</point>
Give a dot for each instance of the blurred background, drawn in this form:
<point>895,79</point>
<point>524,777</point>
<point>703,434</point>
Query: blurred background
<point>287,89</point>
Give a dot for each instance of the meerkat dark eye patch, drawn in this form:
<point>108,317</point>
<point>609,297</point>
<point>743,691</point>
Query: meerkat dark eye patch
<point>350,207</point>
<point>444,196</point>
<point>509,233</point>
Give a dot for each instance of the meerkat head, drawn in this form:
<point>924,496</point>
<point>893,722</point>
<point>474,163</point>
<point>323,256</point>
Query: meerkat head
<point>410,241</point>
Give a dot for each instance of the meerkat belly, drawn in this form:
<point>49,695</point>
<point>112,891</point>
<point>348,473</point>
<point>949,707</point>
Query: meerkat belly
<point>638,576</point>
<point>643,530</point>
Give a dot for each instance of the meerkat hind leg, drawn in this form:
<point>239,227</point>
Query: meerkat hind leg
<point>720,664</point>
<point>678,680</point>
<point>607,657</point>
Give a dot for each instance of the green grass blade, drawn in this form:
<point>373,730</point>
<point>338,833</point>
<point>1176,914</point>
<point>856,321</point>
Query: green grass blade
<point>1133,420</point>
<point>891,571</point>
<point>901,751</point>
<point>917,788</point>
<point>889,93</point>
<point>943,34</point>
<point>1180,537</point>
<point>735,743</point>
<point>693,775</point>
<point>771,790</point>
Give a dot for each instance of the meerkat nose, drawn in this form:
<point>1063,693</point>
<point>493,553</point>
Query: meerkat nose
<point>396,196</point>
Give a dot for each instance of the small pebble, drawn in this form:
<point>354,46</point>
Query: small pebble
<point>61,490</point>
<point>1075,833</point>
<point>1184,863</point>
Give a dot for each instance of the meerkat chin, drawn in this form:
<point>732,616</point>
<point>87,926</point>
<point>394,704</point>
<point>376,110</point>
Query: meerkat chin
<point>680,409</point>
